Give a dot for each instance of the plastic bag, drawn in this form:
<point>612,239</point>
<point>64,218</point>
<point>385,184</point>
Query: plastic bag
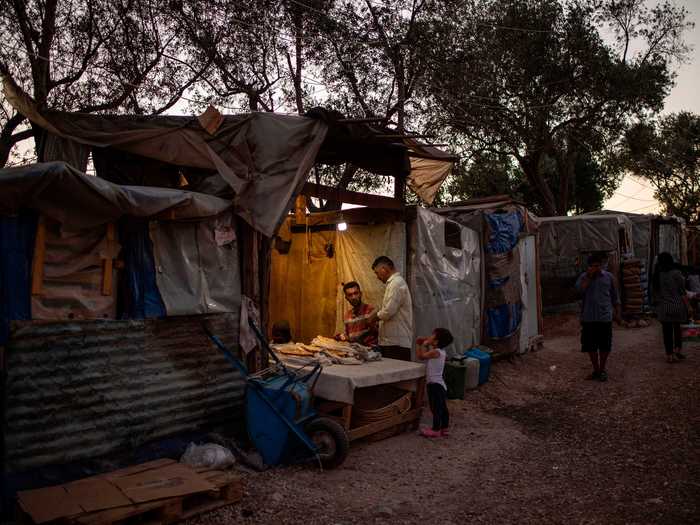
<point>208,456</point>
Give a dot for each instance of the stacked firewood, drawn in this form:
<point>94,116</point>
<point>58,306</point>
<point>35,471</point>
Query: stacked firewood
<point>632,292</point>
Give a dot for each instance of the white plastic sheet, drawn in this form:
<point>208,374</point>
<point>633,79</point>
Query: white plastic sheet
<point>446,281</point>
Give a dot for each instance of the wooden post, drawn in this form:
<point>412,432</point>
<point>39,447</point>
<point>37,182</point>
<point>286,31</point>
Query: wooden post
<point>107,262</point>
<point>39,256</point>
<point>400,188</point>
<point>300,209</point>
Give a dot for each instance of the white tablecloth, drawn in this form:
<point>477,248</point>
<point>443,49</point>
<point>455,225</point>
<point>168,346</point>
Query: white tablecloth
<point>338,382</point>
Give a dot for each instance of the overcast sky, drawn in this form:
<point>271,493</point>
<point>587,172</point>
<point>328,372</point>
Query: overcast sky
<point>635,194</point>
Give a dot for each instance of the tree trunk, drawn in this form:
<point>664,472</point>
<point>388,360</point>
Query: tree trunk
<point>531,167</point>
<point>566,168</point>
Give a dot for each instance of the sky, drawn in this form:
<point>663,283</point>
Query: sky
<point>634,194</point>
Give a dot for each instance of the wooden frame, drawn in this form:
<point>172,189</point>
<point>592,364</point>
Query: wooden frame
<point>412,417</point>
<point>39,256</point>
<point>351,197</point>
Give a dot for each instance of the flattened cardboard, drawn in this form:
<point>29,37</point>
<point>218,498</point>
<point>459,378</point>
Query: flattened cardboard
<point>167,482</point>
<point>48,504</point>
<point>96,494</point>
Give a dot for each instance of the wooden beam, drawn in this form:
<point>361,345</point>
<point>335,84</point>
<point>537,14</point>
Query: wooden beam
<point>350,197</point>
<point>108,262</point>
<point>39,256</point>
<point>362,120</point>
<point>405,136</point>
<point>373,428</point>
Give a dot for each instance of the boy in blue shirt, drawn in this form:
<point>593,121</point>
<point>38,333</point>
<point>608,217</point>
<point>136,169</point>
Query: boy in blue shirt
<point>600,304</point>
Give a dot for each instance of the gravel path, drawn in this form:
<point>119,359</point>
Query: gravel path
<point>537,444</point>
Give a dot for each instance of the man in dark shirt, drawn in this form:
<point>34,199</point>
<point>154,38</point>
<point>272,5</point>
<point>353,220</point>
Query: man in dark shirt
<point>601,303</point>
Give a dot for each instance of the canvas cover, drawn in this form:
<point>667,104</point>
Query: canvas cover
<point>446,282</point>
<point>197,266</point>
<point>264,157</point>
<point>358,247</point>
<point>565,243</point>
<point>59,191</point>
<point>303,283</point>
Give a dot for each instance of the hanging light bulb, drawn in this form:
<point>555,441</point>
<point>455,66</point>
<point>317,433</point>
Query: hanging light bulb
<point>342,226</point>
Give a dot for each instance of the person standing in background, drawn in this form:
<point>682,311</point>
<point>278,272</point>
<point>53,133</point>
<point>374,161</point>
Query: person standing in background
<point>601,302</point>
<point>672,304</point>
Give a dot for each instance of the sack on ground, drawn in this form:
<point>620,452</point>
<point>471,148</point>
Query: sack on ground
<point>208,456</point>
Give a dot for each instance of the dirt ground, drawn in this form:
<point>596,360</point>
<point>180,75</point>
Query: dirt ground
<point>536,444</point>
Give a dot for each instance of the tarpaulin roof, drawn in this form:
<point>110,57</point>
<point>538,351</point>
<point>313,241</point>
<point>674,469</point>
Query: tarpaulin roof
<point>264,157</point>
<point>77,200</point>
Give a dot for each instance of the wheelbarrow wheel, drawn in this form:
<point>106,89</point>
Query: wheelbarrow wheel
<point>331,439</point>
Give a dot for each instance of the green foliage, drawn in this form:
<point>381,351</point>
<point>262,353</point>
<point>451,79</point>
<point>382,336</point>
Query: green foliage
<point>667,153</point>
<point>534,80</point>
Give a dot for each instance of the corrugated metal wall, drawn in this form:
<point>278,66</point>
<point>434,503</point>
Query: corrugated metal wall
<point>78,390</point>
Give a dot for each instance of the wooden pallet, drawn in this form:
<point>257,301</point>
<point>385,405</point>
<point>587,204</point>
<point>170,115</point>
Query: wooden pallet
<point>228,490</point>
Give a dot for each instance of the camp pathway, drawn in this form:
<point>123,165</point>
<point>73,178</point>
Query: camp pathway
<point>537,444</point>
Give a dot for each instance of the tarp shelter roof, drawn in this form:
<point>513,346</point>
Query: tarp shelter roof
<point>264,157</point>
<point>77,201</point>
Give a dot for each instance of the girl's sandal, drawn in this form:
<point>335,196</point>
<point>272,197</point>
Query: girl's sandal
<point>679,356</point>
<point>671,358</point>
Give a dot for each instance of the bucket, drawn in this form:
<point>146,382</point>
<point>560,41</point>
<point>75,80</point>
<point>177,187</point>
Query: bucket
<point>690,332</point>
<point>484,363</point>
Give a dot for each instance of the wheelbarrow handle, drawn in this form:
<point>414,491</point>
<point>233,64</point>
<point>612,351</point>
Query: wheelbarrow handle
<point>263,341</point>
<point>227,353</point>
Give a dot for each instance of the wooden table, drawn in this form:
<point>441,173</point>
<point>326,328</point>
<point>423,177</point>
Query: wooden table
<point>335,392</point>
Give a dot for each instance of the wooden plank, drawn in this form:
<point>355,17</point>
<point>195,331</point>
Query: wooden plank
<point>108,263</point>
<point>300,209</point>
<point>347,416</point>
<point>373,428</point>
<point>350,197</point>
<point>229,490</point>
<point>39,256</point>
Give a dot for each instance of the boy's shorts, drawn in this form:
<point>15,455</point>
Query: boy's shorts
<point>596,337</point>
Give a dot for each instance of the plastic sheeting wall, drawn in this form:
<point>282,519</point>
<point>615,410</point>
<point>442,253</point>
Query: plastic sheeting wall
<point>197,266</point>
<point>358,247</point>
<point>80,390</point>
<point>446,281</point>
<point>73,273</point>
<point>528,283</point>
<point>16,250</point>
<point>564,245</point>
<point>670,240</point>
<point>303,284</point>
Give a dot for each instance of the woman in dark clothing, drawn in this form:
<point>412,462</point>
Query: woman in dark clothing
<point>671,304</point>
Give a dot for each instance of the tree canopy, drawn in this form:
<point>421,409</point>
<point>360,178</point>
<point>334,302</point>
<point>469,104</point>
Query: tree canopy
<point>535,80</point>
<point>530,87</point>
<point>667,154</point>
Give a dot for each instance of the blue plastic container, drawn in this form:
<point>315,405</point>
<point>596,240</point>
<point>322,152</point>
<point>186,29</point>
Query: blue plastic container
<point>484,363</point>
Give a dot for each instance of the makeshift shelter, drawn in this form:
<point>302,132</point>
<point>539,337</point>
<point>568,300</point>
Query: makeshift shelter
<point>440,259</point>
<point>115,342</point>
<point>653,234</point>
<point>565,244</point>
<point>313,259</point>
<point>512,311</point>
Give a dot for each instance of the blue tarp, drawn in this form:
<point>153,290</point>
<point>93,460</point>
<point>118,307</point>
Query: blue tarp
<point>505,230</point>
<point>502,321</point>
<point>16,251</point>
<point>140,297</point>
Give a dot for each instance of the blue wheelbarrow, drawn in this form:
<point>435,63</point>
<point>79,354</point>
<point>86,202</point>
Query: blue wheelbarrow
<point>281,421</point>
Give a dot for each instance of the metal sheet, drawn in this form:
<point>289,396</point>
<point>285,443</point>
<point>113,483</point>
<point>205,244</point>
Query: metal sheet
<point>79,390</point>
<point>528,279</point>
